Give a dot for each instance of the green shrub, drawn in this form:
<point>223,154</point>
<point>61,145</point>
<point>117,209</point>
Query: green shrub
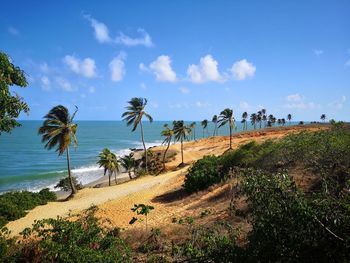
<point>64,184</point>
<point>61,240</point>
<point>202,174</point>
<point>14,205</point>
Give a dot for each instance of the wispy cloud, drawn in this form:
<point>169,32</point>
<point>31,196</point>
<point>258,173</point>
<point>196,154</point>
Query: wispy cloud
<point>64,84</point>
<point>85,67</point>
<point>45,83</point>
<point>102,35</point>
<point>338,104</point>
<point>13,31</point>
<point>117,67</point>
<point>297,101</point>
<point>184,90</point>
<point>318,52</point>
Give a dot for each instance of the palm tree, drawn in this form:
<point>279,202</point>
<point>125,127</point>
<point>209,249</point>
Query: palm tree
<point>289,117</point>
<point>204,124</point>
<point>253,119</point>
<point>283,120</point>
<point>259,118</point>
<point>193,129</point>
<point>264,118</point>
<point>279,121</point>
<point>226,116</point>
<point>168,134</point>
<point>128,163</point>
<point>59,129</point>
<point>133,115</point>
<point>181,131</point>
<point>109,162</point>
<point>215,121</point>
<point>271,119</point>
<point>244,120</point>
<point>323,117</point>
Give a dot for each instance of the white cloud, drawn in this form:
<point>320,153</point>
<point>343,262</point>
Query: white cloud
<point>144,40</point>
<point>338,104</point>
<point>45,83</point>
<point>100,30</point>
<point>243,69</point>
<point>244,105</point>
<point>294,98</point>
<point>13,31</point>
<point>92,89</point>
<point>206,70</point>
<point>85,67</point>
<point>64,84</point>
<point>184,90</point>
<point>297,101</point>
<point>200,104</point>
<point>44,67</point>
<point>161,67</point>
<point>117,67</point>
<point>318,52</point>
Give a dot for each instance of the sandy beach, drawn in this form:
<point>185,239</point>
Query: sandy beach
<point>115,202</point>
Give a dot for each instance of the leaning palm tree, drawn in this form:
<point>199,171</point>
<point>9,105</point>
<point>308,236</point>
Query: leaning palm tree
<point>133,116</point>
<point>323,117</point>
<point>59,130</point>
<point>168,134</point>
<point>128,163</point>
<point>193,129</point>
<point>109,162</point>
<point>215,121</point>
<point>204,124</point>
<point>289,117</point>
<point>244,120</point>
<point>253,119</point>
<point>181,131</point>
<point>226,116</point>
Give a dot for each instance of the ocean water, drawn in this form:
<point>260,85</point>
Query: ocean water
<point>26,165</point>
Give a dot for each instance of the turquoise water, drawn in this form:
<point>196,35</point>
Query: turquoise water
<point>26,165</point>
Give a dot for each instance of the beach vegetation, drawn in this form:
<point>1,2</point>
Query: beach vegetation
<point>109,161</point>
<point>12,105</point>
<point>58,130</point>
<point>167,133</point>
<point>226,116</point>
<point>64,184</point>
<point>181,132</point>
<point>128,163</point>
<point>133,116</point>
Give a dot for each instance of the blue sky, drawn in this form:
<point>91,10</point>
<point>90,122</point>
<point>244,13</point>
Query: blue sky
<point>190,59</point>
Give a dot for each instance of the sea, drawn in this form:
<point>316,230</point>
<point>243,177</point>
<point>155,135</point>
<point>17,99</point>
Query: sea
<point>25,164</point>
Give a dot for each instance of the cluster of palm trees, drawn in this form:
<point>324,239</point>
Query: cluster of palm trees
<point>58,130</point>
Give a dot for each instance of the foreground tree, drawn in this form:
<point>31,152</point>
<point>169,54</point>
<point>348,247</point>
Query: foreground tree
<point>11,104</point>
<point>133,116</point>
<point>59,130</point>
<point>109,162</point>
<point>226,116</point>
<point>204,124</point>
<point>128,163</point>
<point>181,131</point>
<point>215,121</point>
<point>168,134</point>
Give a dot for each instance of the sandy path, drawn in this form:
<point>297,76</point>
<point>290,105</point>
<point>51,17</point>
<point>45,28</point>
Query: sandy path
<point>116,201</point>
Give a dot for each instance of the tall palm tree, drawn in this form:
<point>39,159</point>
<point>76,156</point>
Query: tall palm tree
<point>181,131</point>
<point>323,117</point>
<point>215,121</point>
<point>226,116</point>
<point>279,121</point>
<point>133,116</point>
<point>204,124</point>
<point>253,119</point>
<point>271,119</point>
<point>193,129</point>
<point>109,162</point>
<point>168,134</point>
<point>128,163</point>
<point>244,120</point>
<point>259,118</point>
<point>289,117</point>
<point>59,130</point>
<point>283,120</point>
<point>264,118</point>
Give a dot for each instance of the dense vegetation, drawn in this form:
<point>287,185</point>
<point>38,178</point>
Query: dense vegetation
<point>14,205</point>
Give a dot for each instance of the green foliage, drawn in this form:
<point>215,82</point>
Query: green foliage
<point>14,205</point>
<point>64,184</point>
<point>60,240</point>
<point>11,104</point>
<point>141,209</point>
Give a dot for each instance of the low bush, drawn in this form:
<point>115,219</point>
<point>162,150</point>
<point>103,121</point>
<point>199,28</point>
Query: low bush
<point>64,184</point>
<point>14,205</point>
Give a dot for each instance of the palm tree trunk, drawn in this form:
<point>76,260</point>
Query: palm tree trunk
<point>115,177</point>
<point>194,134</point>
<point>165,154</point>
<point>129,172</point>
<point>144,146</point>
<point>109,178</point>
<point>182,152</point>
<point>230,137</point>
<point>70,175</point>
